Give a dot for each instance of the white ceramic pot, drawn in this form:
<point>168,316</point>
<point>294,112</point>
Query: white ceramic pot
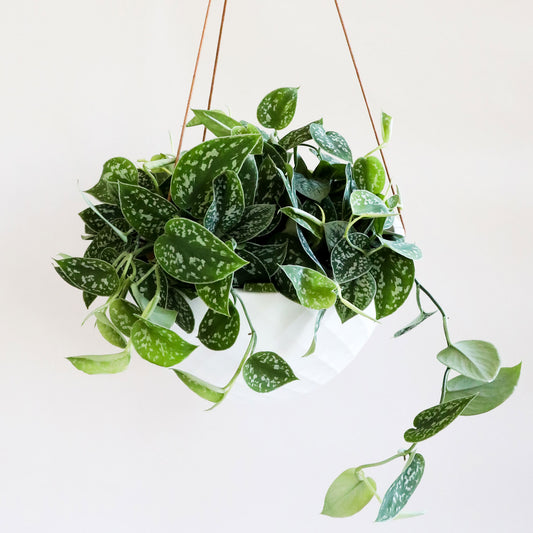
<point>286,328</point>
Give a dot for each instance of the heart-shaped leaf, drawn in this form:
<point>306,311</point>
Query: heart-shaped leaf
<point>102,364</point>
<point>348,262</point>
<point>216,295</point>
<point>360,292</point>
<point>369,174</point>
<point>304,219</point>
<point>108,331</point>
<point>255,219</point>
<point>116,170</point>
<point>192,254</point>
<point>473,359</point>
<point>348,494</point>
<point>407,249</point>
<point>314,290</point>
<point>334,232</point>
<point>205,390</point>
<point>368,205</point>
<point>158,345</point>
<point>95,223</point>
<point>270,186</point>
<point>123,314</point>
<point>315,189</point>
<point>394,275</point>
<point>254,272</point>
<point>277,108</point>
<point>488,395</point>
<point>145,211</point>
<point>435,419</point>
<point>270,255</point>
<point>267,371</point>
<point>402,489</point>
<point>219,332</point>
<point>217,122</point>
<point>184,314</point>
<point>297,137</point>
<point>194,174</point>
<point>249,175</point>
<point>90,275</point>
<point>331,142</point>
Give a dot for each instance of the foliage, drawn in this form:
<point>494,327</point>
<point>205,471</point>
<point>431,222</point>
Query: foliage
<point>250,210</point>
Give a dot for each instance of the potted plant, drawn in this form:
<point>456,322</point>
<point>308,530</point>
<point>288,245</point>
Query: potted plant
<point>252,214</point>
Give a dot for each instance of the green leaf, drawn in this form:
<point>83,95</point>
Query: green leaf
<point>270,255</point>
<point>160,316</point>
<point>123,314</point>
<point>369,174</point>
<point>88,298</point>
<point>190,253</point>
<point>270,185</point>
<point>312,188</point>
<point>259,287</point>
<point>308,250</point>
<point>297,137</point>
<point>267,371</point>
<point>334,232</point>
<point>386,126</point>
<point>409,250</point>
<point>360,292</point>
<point>392,201</point>
<point>255,219</point>
<point>194,174</point>
<point>145,211</point>
<point>255,271</point>
<point>107,238</point>
<point>348,262</point>
<point>314,290</point>
<point>304,219</point>
<point>331,142</point>
<point>102,364</point>
<point>473,359</point>
<point>219,332</point>
<point>249,174</point>
<point>90,275</point>
<point>205,390</point>
<point>402,489</point>
<point>217,122</point>
<point>413,324</point>
<point>227,207</point>
<point>158,345</point>
<point>488,395</point>
<point>184,314</point>
<point>368,205</point>
<point>348,494</point>
<point>394,275</point>
<point>148,287</point>
<point>277,108</point>
<point>108,331</point>
<point>94,223</point>
<point>116,170</point>
<point>318,321</point>
<point>216,295</point>
<point>435,419</point>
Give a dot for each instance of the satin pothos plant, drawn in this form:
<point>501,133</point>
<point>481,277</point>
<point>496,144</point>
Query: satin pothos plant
<point>255,211</point>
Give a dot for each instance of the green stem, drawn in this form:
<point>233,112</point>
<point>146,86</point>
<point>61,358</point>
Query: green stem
<point>152,304</point>
<point>380,147</point>
<point>441,311</point>
<point>350,224</point>
<point>444,384</point>
<point>409,451</point>
<point>351,306</point>
<point>153,178</point>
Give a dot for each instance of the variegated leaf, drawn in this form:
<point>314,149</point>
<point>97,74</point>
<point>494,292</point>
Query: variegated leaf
<point>216,295</point>
<point>334,232</point>
<point>407,249</point>
<point>314,290</point>
<point>277,108</point>
<point>102,364</point>
<point>368,205</point>
<point>304,219</point>
<point>123,314</point>
<point>184,314</point>
<point>94,223</point>
<point>348,262</point>
<point>267,371</point>
<point>249,175</point>
<point>219,332</point>
<point>255,219</point>
<point>331,142</point>
<point>297,137</point>
<point>270,186</point>
<point>108,331</point>
<point>205,390</point>
<point>270,255</point>
<point>369,174</point>
<point>90,275</point>
<point>360,292</point>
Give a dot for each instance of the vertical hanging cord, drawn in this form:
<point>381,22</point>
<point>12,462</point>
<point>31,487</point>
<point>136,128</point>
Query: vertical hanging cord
<point>215,66</point>
<point>193,81</point>
<point>366,104</point>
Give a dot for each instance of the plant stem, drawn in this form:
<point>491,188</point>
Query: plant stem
<point>409,451</point>
<point>351,306</point>
<point>441,311</point>
<point>444,384</point>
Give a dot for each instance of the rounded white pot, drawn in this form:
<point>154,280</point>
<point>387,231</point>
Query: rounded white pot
<point>285,328</point>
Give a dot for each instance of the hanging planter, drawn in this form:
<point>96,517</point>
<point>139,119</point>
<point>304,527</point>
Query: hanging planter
<point>281,251</point>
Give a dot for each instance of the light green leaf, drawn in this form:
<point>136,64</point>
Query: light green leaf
<point>360,292</point>
<point>435,419</point>
<point>348,262</point>
<point>267,371</point>
<point>102,364</point>
<point>277,108</point>
<point>216,295</point>
<point>191,253</point>
<point>318,321</point>
<point>205,390</point>
<point>392,201</point>
<point>227,207</point>
<point>194,174</point>
<point>473,359</point>
<point>304,219</point>
<point>402,489</point>
<point>413,324</point>
<point>314,290</point>
<point>108,331</point>
<point>386,126</point>
<point>90,275</point>
<point>144,210</point>
<point>369,174</point>
<point>297,137</point>
<point>488,395</point>
<point>331,142</point>
<point>348,494</point>
<point>159,315</point>
<point>249,174</point>
<point>394,275</point>
<point>217,122</point>
<point>123,314</point>
<point>219,332</point>
<point>255,219</point>
<point>407,249</point>
<point>368,205</point>
<point>158,345</point>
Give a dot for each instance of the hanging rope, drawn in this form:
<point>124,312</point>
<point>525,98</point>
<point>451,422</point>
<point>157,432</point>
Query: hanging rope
<point>193,81</point>
<point>366,104</point>
<point>215,66</point>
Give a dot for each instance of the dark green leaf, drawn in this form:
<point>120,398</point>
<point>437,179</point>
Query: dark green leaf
<point>249,174</point>
<point>267,371</point>
<point>348,262</point>
<point>219,332</point>
<point>435,419</point>
<point>360,292</point>
<point>116,170</point>
<point>331,142</point>
<point>94,223</point>
<point>311,188</point>
<point>297,137</point>
<point>90,275</point>
<point>216,295</point>
<point>255,271</point>
<point>270,255</point>
<point>270,186</point>
<point>416,322</point>
<point>304,219</point>
<point>255,219</point>
<point>348,494</point>
<point>184,316</point>
<point>334,232</point>
<point>277,108</point>
<point>102,364</point>
<point>314,290</point>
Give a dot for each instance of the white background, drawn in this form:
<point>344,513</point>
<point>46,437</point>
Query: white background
<point>85,81</point>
